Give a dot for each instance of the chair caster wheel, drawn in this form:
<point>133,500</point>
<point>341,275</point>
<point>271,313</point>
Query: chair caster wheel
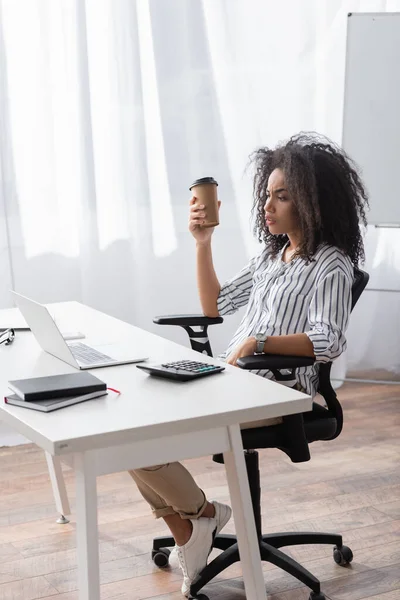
<point>161,557</point>
<point>316,596</point>
<point>342,556</point>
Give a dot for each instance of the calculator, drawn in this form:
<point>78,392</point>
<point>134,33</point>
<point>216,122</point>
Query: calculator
<point>182,370</point>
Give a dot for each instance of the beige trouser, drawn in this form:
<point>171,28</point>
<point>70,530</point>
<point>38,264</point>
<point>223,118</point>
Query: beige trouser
<point>171,489</point>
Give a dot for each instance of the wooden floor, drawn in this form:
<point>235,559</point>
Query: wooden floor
<point>351,485</point>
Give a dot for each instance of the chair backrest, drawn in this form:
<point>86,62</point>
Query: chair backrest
<point>361,279</point>
<point>325,388</point>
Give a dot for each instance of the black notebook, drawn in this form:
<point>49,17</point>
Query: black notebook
<point>56,386</point>
<point>53,403</point>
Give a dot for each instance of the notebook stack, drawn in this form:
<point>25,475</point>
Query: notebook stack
<point>56,391</point>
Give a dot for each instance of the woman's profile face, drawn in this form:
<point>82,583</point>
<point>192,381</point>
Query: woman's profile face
<point>280,212</point>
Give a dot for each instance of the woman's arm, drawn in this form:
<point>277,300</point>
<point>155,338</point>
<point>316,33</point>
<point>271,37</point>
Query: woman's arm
<point>295,344</point>
<point>207,281</point>
<point>328,315</point>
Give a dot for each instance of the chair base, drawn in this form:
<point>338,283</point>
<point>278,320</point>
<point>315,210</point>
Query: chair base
<point>269,545</point>
<point>269,552</point>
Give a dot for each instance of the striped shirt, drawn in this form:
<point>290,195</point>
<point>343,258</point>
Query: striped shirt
<point>295,297</point>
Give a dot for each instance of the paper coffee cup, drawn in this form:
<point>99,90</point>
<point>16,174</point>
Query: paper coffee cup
<point>205,190</point>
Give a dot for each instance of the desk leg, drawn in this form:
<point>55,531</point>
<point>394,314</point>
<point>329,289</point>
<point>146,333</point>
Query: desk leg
<point>86,528</point>
<point>244,519</point>
<point>58,485</point>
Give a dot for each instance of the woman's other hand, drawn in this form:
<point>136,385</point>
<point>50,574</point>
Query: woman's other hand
<point>245,348</point>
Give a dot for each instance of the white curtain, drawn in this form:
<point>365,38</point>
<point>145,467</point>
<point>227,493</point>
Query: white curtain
<point>110,108</point>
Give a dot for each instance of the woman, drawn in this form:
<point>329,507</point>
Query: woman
<point>309,203</point>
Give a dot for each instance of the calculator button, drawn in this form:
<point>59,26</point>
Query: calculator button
<point>190,366</point>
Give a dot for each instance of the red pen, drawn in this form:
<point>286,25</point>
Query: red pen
<point>114,390</point>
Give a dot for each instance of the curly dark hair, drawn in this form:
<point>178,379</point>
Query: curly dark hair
<point>326,189</point>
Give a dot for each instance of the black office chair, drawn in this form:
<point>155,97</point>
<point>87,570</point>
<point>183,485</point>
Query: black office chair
<point>292,437</point>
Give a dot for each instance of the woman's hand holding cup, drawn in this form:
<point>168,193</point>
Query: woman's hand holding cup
<point>197,220</point>
<point>204,209</point>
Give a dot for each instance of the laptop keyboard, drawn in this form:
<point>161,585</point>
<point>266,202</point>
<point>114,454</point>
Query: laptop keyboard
<point>89,356</point>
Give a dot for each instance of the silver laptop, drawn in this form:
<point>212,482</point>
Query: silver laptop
<point>76,354</point>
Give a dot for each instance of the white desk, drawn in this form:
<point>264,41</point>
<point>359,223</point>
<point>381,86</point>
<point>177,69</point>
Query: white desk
<point>152,421</point>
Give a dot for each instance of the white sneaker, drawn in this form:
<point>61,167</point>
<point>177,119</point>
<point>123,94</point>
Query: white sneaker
<point>223,513</point>
<point>193,555</point>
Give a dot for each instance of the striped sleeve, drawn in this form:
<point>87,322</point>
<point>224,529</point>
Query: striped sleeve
<point>236,292</point>
<point>328,315</point>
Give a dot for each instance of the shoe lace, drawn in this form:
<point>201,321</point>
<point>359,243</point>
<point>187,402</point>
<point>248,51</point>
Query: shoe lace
<point>182,561</point>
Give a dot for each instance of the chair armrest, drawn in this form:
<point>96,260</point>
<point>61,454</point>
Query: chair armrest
<point>274,361</point>
<point>187,320</point>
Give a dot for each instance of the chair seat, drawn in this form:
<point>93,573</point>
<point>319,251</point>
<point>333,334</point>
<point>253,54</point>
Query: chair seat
<point>319,424</point>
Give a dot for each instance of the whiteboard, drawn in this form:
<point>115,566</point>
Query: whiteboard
<point>371,117</point>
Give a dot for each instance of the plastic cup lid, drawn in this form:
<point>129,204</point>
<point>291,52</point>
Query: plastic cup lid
<point>203,181</point>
